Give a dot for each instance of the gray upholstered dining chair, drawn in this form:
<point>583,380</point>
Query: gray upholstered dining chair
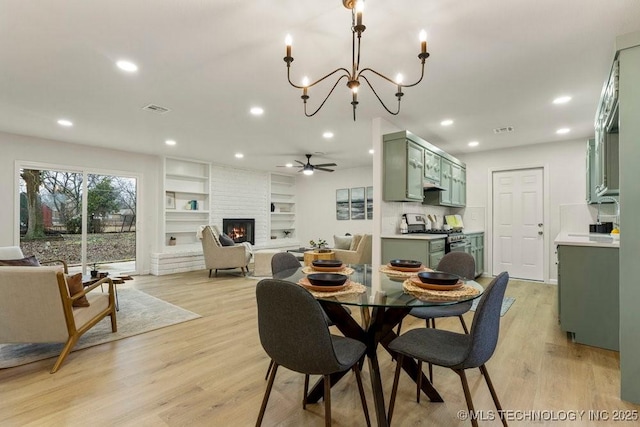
<point>458,263</point>
<point>455,350</point>
<point>283,261</point>
<point>298,338</point>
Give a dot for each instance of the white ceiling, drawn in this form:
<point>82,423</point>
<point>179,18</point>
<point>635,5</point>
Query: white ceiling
<point>493,63</point>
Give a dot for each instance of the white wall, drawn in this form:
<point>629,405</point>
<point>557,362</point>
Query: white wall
<point>97,160</point>
<point>565,164</point>
<point>316,204</point>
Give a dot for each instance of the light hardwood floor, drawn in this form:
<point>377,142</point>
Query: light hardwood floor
<point>210,371</point>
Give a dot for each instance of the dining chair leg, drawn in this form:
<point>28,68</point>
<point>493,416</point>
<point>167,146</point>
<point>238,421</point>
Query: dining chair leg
<point>327,400</point>
<point>363,399</point>
<point>267,392</point>
<point>492,390</point>
<point>419,382</point>
<point>268,369</point>
<point>209,272</point>
<point>464,325</point>
<point>394,389</point>
<point>467,396</point>
<point>306,390</point>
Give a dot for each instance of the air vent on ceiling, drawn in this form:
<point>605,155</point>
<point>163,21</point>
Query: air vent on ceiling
<point>505,129</point>
<point>156,109</point>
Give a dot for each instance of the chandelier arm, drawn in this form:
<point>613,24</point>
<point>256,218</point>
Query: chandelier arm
<point>319,80</point>
<point>326,97</point>
<point>360,74</point>
<point>379,99</point>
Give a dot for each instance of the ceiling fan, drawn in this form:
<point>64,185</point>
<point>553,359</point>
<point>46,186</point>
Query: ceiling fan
<point>308,168</point>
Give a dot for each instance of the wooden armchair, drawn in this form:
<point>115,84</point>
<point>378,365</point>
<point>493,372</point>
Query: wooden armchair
<point>36,307</point>
<point>15,253</point>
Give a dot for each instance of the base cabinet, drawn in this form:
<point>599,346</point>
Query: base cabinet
<point>476,245</point>
<point>429,252</point>
<point>588,294</point>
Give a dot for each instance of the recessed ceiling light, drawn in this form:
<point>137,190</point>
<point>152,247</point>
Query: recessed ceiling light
<point>327,135</point>
<point>65,122</point>
<point>256,111</point>
<point>563,131</point>
<point>473,144</point>
<point>447,122</point>
<point>562,100</point>
<point>289,165</point>
<point>239,155</point>
<point>127,66</point>
<point>371,151</point>
<point>170,142</point>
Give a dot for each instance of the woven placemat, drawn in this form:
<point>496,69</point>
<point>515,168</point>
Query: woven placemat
<point>391,272</point>
<point>347,271</point>
<point>353,288</point>
<point>464,292</point>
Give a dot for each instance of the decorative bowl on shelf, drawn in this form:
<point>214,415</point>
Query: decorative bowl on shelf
<point>438,278</point>
<point>327,279</point>
<point>405,263</point>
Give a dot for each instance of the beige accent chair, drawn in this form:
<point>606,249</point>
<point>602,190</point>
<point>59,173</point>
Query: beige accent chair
<point>218,257</point>
<point>360,255</point>
<point>35,307</point>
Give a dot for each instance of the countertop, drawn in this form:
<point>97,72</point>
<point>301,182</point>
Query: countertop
<point>586,239</point>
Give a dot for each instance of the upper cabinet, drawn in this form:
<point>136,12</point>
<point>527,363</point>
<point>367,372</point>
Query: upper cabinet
<point>605,170</point>
<point>187,198</point>
<point>410,164</point>
<point>403,170</point>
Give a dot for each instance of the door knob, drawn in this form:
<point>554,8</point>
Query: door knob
<point>539,224</point>
<point>540,233</point>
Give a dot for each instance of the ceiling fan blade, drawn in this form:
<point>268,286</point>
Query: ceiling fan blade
<point>322,165</point>
<point>300,162</point>
<point>323,169</point>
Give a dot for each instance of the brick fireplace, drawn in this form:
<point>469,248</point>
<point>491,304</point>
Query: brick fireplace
<point>240,229</point>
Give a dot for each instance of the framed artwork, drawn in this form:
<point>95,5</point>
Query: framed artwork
<point>170,202</point>
<point>369,202</point>
<point>342,204</point>
<point>358,208</point>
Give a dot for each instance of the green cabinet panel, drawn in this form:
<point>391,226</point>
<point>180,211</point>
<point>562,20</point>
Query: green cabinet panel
<point>432,162</point>
<point>445,182</point>
<point>588,294</point>
<point>403,170</point>
<point>453,178</point>
<point>429,252</point>
<point>476,249</point>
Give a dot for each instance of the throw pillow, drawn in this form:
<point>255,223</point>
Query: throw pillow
<point>30,261</point>
<point>355,242</point>
<point>226,240</point>
<point>74,284</point>
<point>342,242</point>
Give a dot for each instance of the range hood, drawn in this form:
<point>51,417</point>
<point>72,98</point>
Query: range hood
<point>430,186</point>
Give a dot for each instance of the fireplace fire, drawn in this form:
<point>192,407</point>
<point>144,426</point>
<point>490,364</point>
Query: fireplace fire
<point>240,229</point>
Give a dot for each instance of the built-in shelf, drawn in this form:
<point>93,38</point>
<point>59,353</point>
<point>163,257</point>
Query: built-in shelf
<point>283,205</point>
<point>185,181</point>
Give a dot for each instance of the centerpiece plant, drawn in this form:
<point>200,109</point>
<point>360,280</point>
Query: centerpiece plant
<point>319,246</point>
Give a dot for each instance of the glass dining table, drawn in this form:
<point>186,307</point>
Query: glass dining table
<point>383,302</point>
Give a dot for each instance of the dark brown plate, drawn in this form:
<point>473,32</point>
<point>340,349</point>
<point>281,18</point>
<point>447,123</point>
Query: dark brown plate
<point>326,263</point>
<point>405,263</point>
<point>326,279</point>
<point>438,278</point>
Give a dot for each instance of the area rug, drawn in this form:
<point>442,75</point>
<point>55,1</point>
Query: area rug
<point>139,313</point>
<point>506,304</point>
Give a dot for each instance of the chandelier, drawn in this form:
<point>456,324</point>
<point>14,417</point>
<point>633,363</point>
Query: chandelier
<point>355,75</point>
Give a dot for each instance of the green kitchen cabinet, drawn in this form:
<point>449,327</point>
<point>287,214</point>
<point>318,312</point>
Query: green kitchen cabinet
<point>588,294</point>
<point>403,172</point>
<point>476,249</point>
<point>432,164</point>
<point>453,179</point>
<point>428,251</point>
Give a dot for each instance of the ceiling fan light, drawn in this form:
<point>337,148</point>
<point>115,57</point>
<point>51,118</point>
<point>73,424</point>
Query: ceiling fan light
<point>307,171</point>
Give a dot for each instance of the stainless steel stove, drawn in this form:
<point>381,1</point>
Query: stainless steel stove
<point>456,240</point>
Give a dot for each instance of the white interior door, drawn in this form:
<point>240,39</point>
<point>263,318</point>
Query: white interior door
<point>518,240</point>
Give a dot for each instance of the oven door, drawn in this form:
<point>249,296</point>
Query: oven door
<point>459,246</point>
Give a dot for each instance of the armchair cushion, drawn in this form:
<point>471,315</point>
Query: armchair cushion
<point>30,261</point>
<point>342,242</point>
<point>74,283</point>
<point>226,240</point>
<point>355,241</point>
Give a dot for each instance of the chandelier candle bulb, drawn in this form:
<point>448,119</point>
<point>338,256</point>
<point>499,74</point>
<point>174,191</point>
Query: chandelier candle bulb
<point>288,41</point>
<point>359,8</point>
<point>423,41</point>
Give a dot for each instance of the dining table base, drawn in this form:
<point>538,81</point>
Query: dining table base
<point>378,330</point>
